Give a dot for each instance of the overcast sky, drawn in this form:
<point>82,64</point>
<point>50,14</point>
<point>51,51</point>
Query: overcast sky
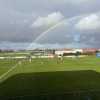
<point>59,22</point>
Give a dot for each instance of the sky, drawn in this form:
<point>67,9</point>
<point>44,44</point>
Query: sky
<point>49,23</point>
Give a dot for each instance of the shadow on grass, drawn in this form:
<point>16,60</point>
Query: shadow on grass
<point>52,86</point>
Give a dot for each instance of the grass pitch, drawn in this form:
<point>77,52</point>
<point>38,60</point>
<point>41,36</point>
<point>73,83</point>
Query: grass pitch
<point>52,77</point>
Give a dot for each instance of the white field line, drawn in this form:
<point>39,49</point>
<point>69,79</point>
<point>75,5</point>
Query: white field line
<point>3,76</point>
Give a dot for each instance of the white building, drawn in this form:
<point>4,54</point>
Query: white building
<point>71,51</point>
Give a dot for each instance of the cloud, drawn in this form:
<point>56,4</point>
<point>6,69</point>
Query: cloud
<point>91,22</point>
<point>18,46</point>
<point>49,20</point>
<point>16,17</point>
<point>80,1</point>
<point>73,1</point>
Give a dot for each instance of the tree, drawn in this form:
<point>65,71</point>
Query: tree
<point>77,54</point>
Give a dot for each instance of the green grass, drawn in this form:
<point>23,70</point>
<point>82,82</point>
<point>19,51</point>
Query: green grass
<point>5,65</point>
<point>52,76</point>
<point>68,64</point>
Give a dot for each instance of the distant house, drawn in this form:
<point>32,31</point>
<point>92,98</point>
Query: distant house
<point>89,51</point>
